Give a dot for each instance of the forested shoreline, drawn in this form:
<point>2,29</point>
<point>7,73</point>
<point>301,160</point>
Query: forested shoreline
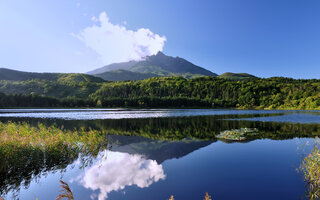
<point>163,92</point>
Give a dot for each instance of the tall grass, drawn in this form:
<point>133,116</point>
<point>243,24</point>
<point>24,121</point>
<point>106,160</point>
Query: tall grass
<point>28,151</point>
<point>16,136</point>
<point>311,170</point>
<point>66,192</point>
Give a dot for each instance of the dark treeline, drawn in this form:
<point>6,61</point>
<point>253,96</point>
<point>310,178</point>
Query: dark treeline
<point>271,93</point>
<point>19,100</point>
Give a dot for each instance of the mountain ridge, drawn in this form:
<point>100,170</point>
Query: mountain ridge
<point>15,75</point>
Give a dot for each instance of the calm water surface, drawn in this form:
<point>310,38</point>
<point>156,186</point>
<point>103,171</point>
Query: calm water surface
<point>157,153</point>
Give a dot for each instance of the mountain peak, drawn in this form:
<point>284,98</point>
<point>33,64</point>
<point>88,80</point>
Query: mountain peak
<point>160,54</point>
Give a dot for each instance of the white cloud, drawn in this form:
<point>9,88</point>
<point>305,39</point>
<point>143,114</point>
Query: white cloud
<point>115,43</point>
<point>120,170</point>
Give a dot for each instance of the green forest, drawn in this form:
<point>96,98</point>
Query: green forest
<point>162,92</point>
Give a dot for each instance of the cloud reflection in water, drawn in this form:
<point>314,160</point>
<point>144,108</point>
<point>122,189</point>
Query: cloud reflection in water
<point>120,170</point>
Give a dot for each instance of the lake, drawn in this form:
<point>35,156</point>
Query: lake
<point>156,153</point>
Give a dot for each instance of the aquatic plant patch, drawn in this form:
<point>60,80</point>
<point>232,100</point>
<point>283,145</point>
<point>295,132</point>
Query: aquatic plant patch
<point>237,134</point>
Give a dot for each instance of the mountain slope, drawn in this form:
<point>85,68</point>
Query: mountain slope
<point>236,76</point>
<point>14,75</point>
<point>124,75</point>
<point>155,65</point>
<point>113,67</point>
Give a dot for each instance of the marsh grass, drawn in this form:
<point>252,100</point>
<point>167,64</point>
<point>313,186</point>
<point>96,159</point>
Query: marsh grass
<point>66,192</point>
<point>17,136</point>
<point>311,170</point>
<point>27,152</point>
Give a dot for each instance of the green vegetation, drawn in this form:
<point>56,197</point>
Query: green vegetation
<point>114,67</point>
<point>14,75</point>
<point>64,87</point>
<point>273,93</point>
<point>27,151</point>
<point>204,127</point>
<point>237,134</point>
<point>200,127</point>
<point>311,169</point>
<point>124,75</point>
<point>16,136</point>
<point>236,76</point>
<point>206,92</point>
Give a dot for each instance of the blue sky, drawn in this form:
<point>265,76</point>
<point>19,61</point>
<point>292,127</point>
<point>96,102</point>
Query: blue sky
<point>262,37</point>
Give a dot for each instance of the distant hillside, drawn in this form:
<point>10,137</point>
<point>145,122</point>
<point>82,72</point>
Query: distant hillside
<point>14,75</point>
<point>154,66</point>
<point>124,75</point>
<point>113,67</point>
<point>236,76</point>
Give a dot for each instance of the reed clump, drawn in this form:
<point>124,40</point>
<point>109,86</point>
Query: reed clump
<point>28,151</point>
<point>17,136</point>
<point>311,170</point>
<point>65,192</point>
